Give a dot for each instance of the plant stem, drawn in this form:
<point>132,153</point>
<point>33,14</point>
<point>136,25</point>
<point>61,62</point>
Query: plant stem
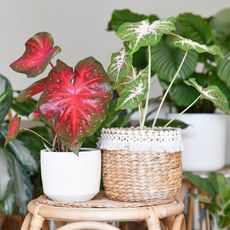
<point>169,87</point>
<point>51,64</point>
<point>148,90</point>
<point>29,130</point>
<point>140,113</point>
<point>182,111</point>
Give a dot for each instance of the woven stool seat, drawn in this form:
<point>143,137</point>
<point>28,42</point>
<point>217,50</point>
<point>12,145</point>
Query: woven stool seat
<point>93,214</point>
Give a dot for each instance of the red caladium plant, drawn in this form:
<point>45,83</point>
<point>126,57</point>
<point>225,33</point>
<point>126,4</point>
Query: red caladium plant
<point>72,101</point>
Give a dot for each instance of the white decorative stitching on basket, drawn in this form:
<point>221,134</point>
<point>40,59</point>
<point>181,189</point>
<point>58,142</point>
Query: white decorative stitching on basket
<point>134,139</point>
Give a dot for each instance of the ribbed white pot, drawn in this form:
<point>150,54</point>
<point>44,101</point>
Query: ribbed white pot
<point>67,177</point>
<point>204,141</point>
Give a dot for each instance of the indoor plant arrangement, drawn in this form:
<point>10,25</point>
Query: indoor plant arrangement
<point>73,103</point>
<point>217,198</point>
<point>207,70</point>
<point>141,164</point>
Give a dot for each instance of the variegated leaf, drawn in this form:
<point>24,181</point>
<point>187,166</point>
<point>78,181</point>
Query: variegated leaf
<point>143,33</point>
<point>187,44</point>
<point>134,91</point>
<point>212,93</point>
<point>120,66</point>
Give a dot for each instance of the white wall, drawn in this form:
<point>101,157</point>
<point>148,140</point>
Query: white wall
<point>78,26</point>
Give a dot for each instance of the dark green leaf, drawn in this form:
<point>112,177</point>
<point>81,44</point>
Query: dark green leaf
<point>5,97</point>
<point>140,34</point>
<point>201,183</point>
<point>121,16</point>
<point>167,59</point>
<point>194,27</point>
<point>24,108</point>
<point>162,122</point>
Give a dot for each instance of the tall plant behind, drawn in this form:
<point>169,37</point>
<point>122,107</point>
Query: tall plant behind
<point>166,58</point>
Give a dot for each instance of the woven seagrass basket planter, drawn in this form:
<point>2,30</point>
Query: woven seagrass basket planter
<point>141,165</point>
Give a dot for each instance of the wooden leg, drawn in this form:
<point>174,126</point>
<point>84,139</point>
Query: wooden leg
<point>37,222</point>
<point>168,222</point>
<point>179,223</point>
<point>26,222</point>
<point>46,225</point>
<point>153,222</point>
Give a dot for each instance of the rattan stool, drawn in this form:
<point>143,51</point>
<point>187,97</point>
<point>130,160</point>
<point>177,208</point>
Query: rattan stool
<point>93,214</point>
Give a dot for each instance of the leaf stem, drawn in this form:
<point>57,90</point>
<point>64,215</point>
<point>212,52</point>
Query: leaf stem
<point>183,111</point>
<point>169,87</point>
<point>30,130</point>
<point>51,64</point>
<point>148,91</point>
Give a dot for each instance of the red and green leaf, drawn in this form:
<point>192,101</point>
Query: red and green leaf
<point>13,129</point>
<point>32,90</point>
<point>74,101</point>
<point>38,54</point>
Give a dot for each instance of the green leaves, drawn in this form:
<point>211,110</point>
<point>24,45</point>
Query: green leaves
<point>134,91</point>
<point>120,66</point>
<point>5,97</point>
<point>143,33</point>
<point>121,16</point>
<point>194,27</point>
<point>167,59</point>
<point>212,93</point>
<point>223,69</point>
<point>187,44</point>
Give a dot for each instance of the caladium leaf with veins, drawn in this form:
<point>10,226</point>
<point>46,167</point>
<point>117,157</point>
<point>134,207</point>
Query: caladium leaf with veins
<point>187,44</point>
<point>143,33</point>
<point>32,90</point>
<point>120,66</point>
<point>13,129</point>
<point>134,92</point>
<point>39,52</point>
<point>211,93</point>
<point>74,101</point>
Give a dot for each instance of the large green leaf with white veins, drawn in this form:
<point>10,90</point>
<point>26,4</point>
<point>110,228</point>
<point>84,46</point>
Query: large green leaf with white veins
<point>166,60</point>
<point>212,93</point>
<point>5,97</point>
<point>143,33</point>
<point>194,27</point>
<point>187,44</point>
<point>133,92</point>
<point>223,69</point>
<point>120,66</point>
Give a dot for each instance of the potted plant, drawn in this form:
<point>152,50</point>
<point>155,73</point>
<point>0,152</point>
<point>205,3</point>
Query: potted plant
<point>73,104</point>
<point>207,70</point>
<point>144,164</point>
<point>215,196</point>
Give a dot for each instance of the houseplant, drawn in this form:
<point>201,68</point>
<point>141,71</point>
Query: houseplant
<point>141,164</point>
<point>18,161</point>
<point>216,197</point>
<point>207,155</point>
<point>73,103</point>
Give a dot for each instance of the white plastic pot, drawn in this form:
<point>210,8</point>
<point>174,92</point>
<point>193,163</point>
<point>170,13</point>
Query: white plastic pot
<point>204,141</point>
<point>67,177</point>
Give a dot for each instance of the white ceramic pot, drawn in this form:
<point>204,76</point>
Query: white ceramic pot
<point>70,178</point>
<point>204,141</point>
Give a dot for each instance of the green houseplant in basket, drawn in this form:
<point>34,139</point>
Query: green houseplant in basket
<point>73,103</point>
<point>144,164</point>
<point>205,68</point>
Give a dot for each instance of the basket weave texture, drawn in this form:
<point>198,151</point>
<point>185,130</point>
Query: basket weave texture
<point>137,176</point>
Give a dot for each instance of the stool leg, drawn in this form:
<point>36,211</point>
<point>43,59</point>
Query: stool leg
<point>179,223</point>
<point>37,222</point>
<point>26,222</point>
<point>153,222</point>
